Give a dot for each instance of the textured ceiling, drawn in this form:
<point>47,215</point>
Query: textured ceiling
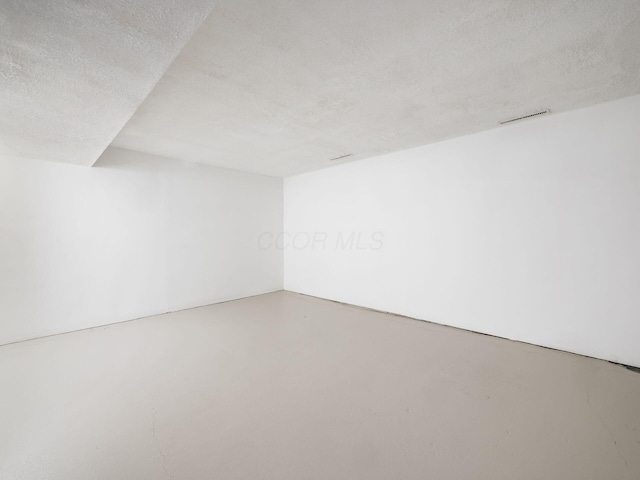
<point>280,87</point>
<point>73,72</point>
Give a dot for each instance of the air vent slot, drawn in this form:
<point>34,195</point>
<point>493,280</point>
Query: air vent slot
<point>524,117</point>
<point>341,157</point>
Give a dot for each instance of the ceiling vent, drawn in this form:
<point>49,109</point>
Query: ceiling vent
<point>524,117</point>
<point>341,157</point>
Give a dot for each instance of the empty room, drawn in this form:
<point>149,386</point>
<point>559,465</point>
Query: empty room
<point>295,240</point>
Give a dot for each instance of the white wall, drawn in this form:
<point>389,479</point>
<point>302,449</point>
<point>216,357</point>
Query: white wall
<point>529,232</point>
<point>134,236</point>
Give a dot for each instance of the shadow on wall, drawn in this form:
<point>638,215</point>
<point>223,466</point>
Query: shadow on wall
<point>135,236</point>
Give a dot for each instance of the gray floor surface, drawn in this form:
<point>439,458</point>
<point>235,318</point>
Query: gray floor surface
<point>285,386</point>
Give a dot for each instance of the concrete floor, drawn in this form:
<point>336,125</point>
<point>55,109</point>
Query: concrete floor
<point>284,386</point>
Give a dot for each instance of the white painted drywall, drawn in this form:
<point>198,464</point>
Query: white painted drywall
<point>529,232</point>
<point>134,236</point>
